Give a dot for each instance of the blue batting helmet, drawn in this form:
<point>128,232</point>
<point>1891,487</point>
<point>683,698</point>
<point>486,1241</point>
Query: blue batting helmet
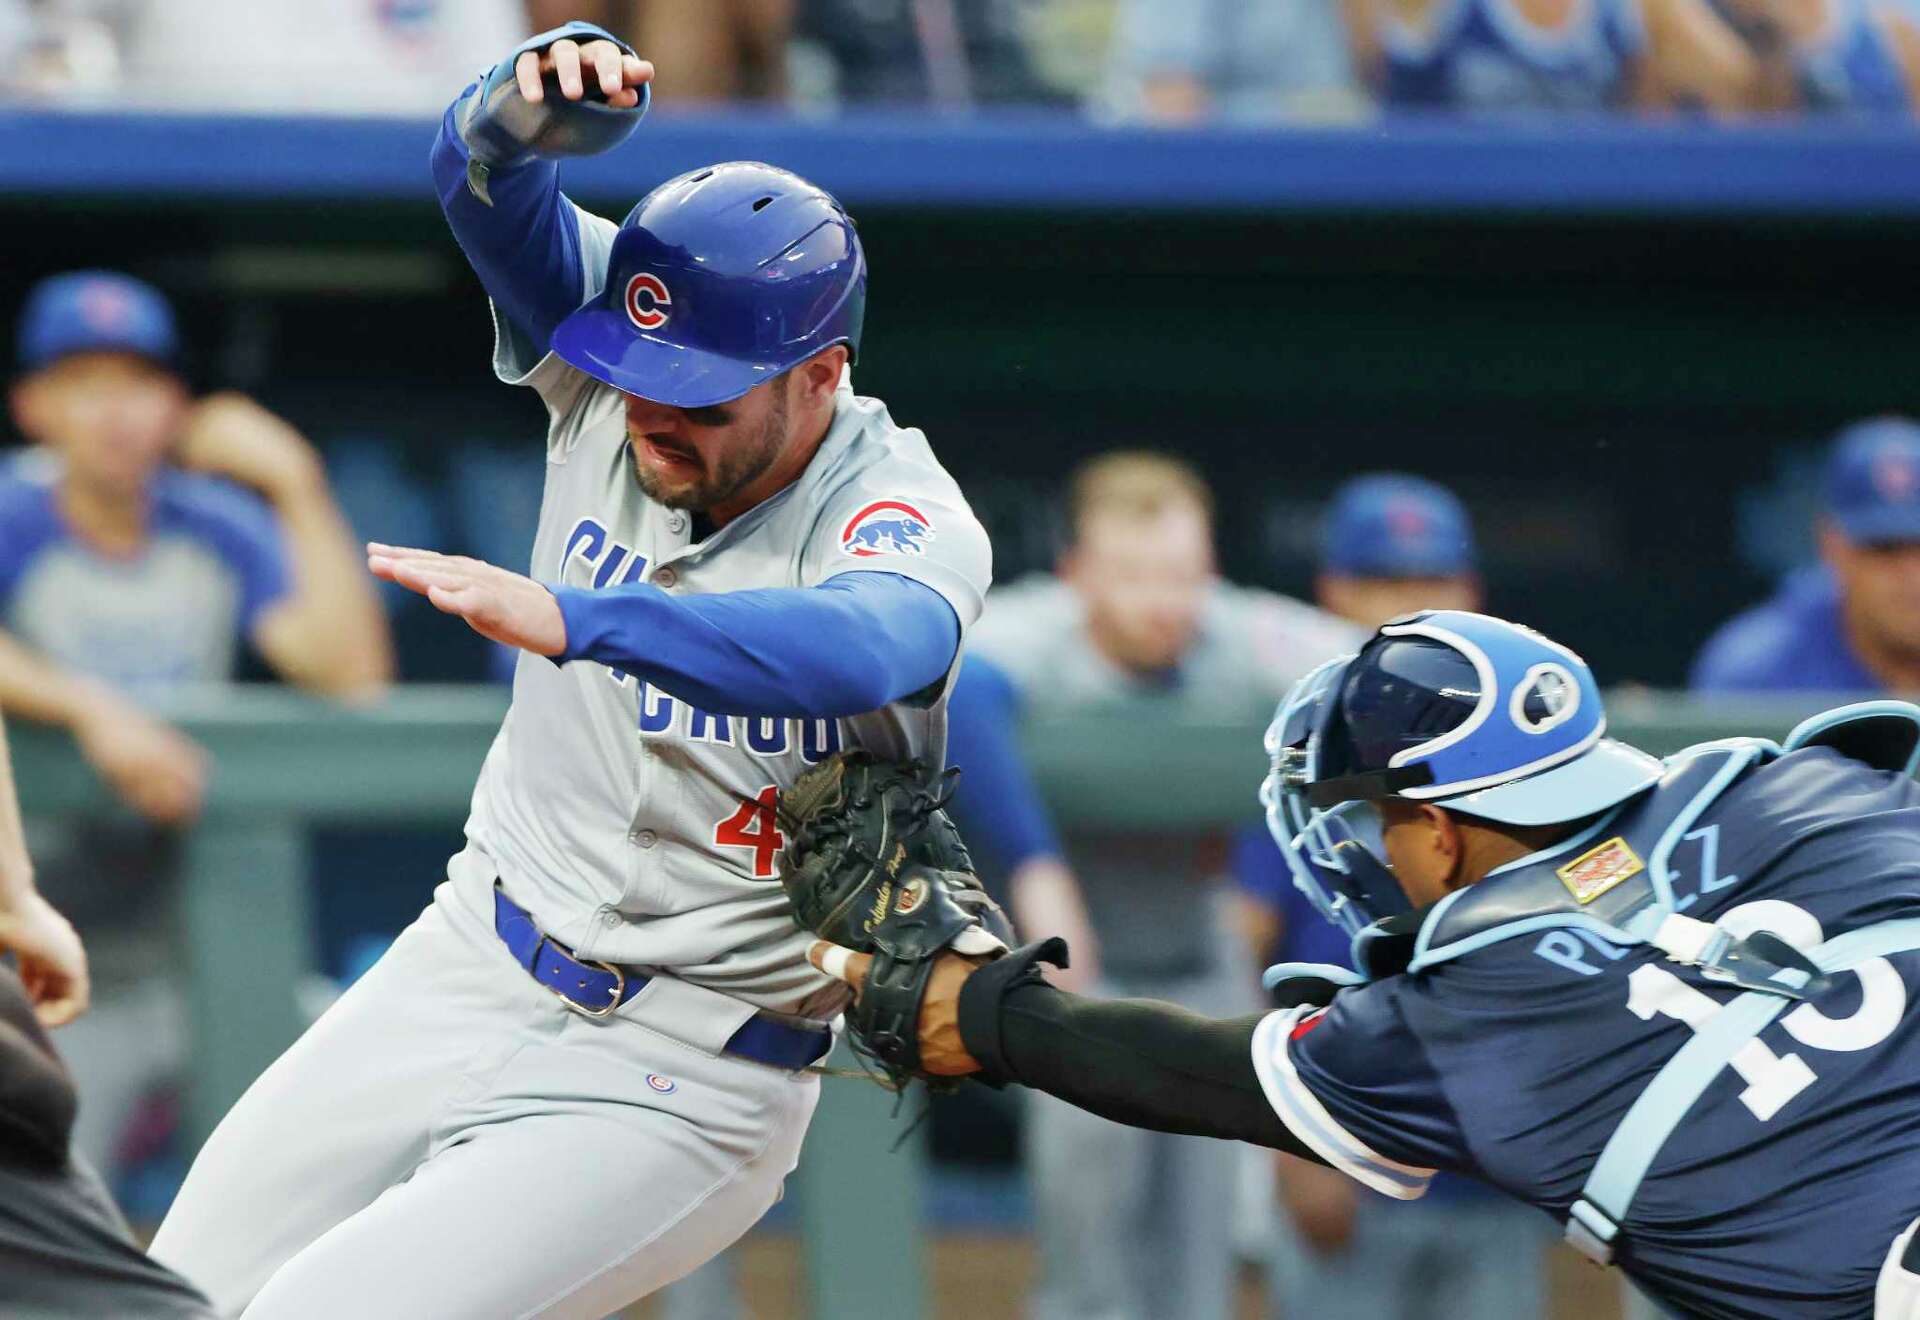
<point>718,280</point>
<point>1472,713</point>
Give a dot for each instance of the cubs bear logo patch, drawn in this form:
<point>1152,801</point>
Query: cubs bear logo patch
<point>886,527</point>
<point>1599,869</point>
<point>648,302</point>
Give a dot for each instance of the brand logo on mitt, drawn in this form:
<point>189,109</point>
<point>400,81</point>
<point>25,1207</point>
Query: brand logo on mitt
<point>881,901</point>
<point>1597,870</point>
<point>664,1085</point>
<point>648,301</point>
<point>886,527</point>
<point>912,895</point>
<point>899,856</point>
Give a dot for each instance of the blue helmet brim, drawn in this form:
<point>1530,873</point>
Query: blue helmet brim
<point>603,343</point>
<point>1607,774</point>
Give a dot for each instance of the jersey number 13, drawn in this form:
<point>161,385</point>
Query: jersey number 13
<point>1774,1079</point>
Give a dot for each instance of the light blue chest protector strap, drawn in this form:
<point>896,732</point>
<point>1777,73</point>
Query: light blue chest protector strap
<point>1885,734</point>
<point>1641,909</point>
<point>1596,1217</point>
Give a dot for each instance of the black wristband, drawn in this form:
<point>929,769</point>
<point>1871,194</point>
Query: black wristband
<point>981,996</point>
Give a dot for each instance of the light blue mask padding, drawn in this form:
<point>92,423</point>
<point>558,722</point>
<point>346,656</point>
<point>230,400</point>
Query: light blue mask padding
<point>1297,971</point>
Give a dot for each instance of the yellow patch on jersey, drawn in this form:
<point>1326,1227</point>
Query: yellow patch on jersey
<point>1599,869</point>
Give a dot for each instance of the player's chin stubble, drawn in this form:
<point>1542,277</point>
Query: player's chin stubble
<point>732,474</point>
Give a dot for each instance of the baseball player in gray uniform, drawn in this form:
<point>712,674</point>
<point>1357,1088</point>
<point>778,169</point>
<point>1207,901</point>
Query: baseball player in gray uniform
<point>582,1071</point>
<point>1132,1225</point>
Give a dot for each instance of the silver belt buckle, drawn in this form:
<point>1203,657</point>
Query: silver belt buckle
<point>619,982</point>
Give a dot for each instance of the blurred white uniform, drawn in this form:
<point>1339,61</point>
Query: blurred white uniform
<point>1137,1225</point>
<point>327,56</point>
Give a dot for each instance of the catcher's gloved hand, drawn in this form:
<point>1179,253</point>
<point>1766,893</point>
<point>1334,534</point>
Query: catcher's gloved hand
<point>874,864</point>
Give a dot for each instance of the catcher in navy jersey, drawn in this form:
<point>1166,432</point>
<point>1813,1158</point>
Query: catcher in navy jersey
<point>1670,1003</point>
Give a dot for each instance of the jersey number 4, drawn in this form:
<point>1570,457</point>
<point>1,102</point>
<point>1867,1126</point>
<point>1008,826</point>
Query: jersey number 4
<point>757,826</point>
<point>1774,1079</point>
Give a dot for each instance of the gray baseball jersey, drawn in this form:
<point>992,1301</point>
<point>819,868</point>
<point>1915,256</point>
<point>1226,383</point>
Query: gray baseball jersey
<point>1142,890</point>
<point>629,823</point>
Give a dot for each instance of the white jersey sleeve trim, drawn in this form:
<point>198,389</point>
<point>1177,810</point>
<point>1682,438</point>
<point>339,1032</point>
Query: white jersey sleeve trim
<point>1309,1120</point>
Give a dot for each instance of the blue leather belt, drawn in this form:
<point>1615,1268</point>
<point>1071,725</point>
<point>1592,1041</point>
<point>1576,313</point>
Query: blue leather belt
<point>595,989</point>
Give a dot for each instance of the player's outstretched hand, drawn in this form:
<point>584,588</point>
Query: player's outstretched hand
<point>616,75</point>
<point>942,1053</point>
<point>496,603</point>
<point>53,965</point>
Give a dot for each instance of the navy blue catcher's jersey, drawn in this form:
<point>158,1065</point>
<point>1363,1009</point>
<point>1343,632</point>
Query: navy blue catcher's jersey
<point>1781,1191</point>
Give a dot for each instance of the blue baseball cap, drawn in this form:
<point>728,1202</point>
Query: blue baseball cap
<point>1873,481</point>
<point>1389,525</point>
<point>1481,715</point>
<point>1472,713</point>
<point>89,311</point>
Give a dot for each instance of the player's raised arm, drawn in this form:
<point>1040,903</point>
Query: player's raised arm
<point>575,90</point>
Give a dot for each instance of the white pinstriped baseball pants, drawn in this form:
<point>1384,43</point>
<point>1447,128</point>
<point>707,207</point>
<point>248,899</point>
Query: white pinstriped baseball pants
<point>450,1141</point>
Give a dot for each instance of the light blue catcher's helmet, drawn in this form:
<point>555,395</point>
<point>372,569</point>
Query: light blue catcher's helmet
<point>1473,713</point>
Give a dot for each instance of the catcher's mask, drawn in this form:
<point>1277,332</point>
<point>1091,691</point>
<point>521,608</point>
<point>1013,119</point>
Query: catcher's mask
<point>1478,715</point>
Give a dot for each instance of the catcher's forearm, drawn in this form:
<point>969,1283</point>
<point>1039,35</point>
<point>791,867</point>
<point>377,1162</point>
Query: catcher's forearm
<point>1136,1061</point>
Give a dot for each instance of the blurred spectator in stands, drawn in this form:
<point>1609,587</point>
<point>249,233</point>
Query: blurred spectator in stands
<point>1131,1225</point>
<point>122,580</point>
<point>1179,63</point>
<point>1831,55</point>
<point>707,50</point>
<point>1503,55</point>
<point>1393,544</point>
<point>1852,623</point>
<point>953,53</point>
<point>50,50</point>
<point>356,57</point>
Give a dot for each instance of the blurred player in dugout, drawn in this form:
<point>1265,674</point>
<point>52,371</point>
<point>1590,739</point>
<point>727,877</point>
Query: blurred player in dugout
<point>1851,623</point>
<point>124,578</point>
<point>1130,1223</point>
<point>1391,544</point>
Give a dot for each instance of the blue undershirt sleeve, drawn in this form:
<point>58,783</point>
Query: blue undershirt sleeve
<point>853,644</point>
<point>1004,815</point>
<point>526,246</point>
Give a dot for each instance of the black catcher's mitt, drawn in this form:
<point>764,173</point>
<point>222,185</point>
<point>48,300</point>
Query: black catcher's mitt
<point>874,864</point>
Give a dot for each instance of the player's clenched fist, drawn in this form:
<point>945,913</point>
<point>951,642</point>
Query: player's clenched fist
<point>615,74</point>
<point>498,604</point>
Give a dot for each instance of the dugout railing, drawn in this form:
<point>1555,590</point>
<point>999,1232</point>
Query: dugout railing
<point>283,763</point>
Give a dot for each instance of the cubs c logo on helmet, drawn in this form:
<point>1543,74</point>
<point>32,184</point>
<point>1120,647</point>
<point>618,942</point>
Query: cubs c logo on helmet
<point>886,527</point>
<point>648,301</point>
